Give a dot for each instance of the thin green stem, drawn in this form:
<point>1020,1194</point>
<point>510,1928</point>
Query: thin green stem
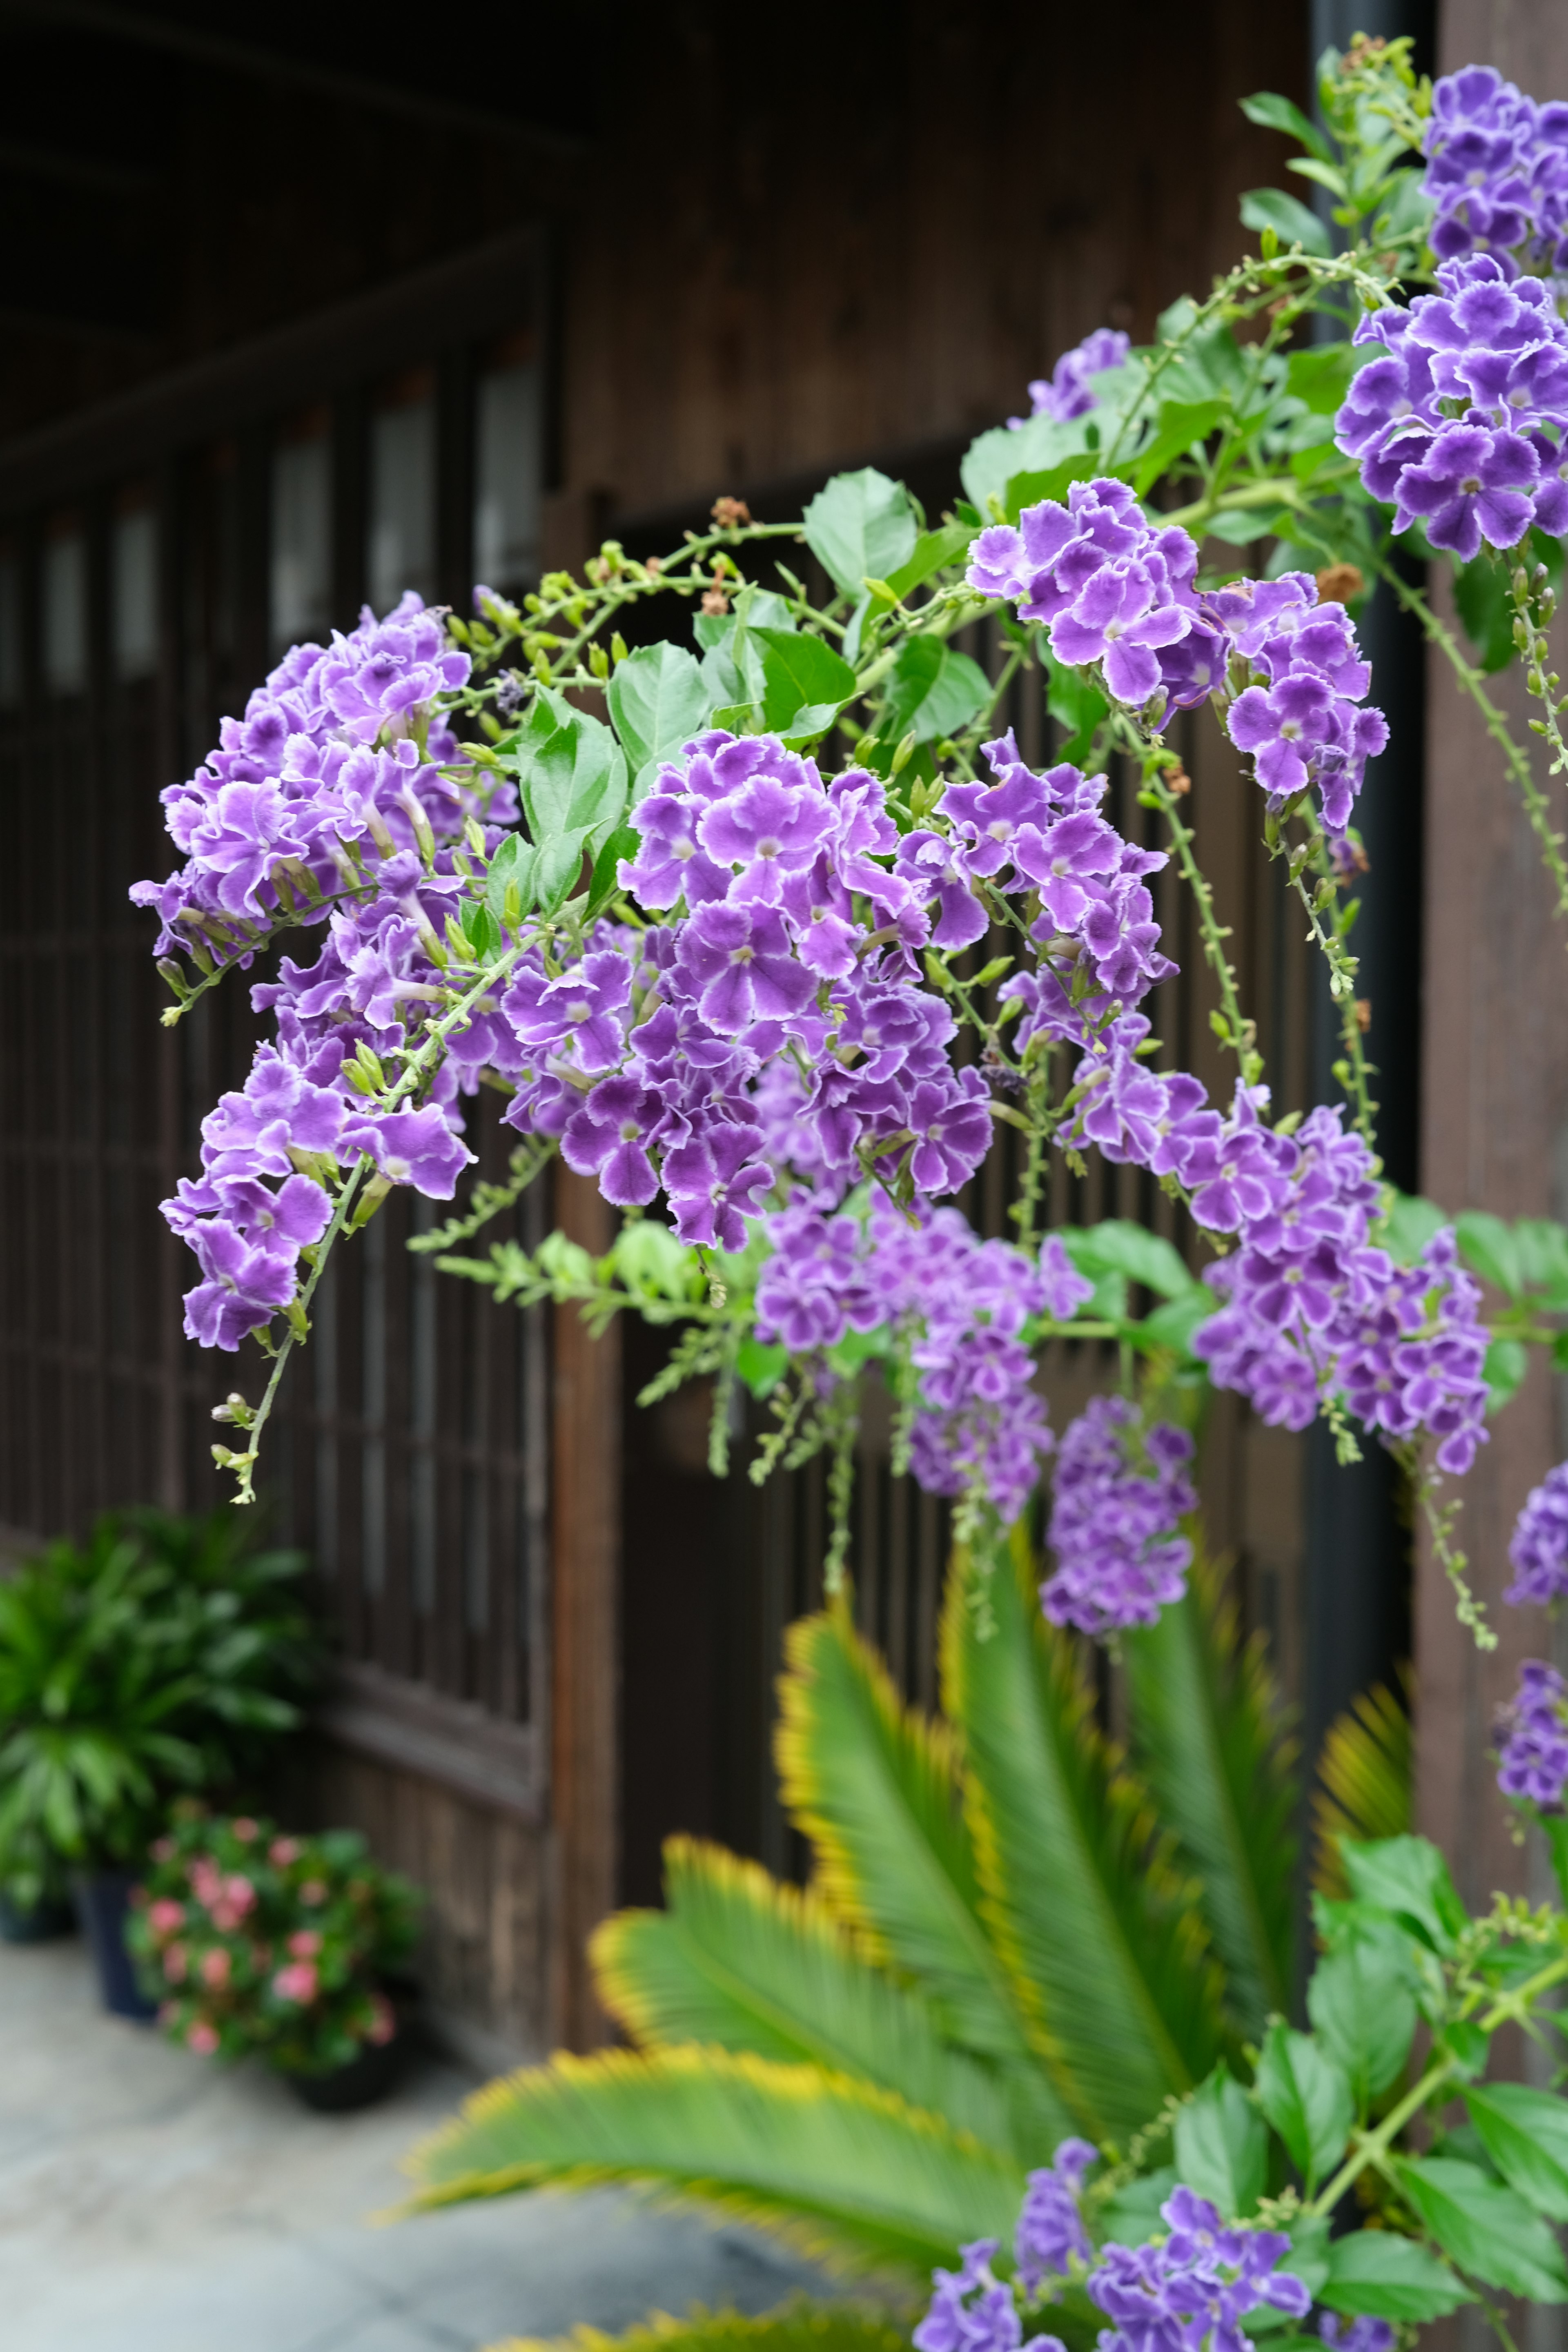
<point>1239,1033</point>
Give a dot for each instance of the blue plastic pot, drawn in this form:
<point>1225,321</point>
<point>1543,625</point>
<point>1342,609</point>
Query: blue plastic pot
<point>102,1901</point>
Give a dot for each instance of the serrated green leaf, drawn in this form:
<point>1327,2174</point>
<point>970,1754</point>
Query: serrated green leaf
<point>570,775</point>
<point>1221,2145</point>
<point>1306,2096</point>
<point>1288,217</point>
<point>1525,2133</point>
<point>861,525</point>
<point>1487,1244</point>
<point>934,690</point>
<point>1486,2229</point>
<point>1276,114</point>
<point>1361,1998</point>
<point>804,683</point>
<point>513,866</point>
<point>659,699</point>
<point>1375,2275</point>
<point>1409,1876</point>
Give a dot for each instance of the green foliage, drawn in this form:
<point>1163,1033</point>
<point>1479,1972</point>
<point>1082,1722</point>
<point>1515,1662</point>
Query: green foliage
<point>254,1942</point>
<point>794,2328</point>
<point>658,698</point>
<point>1305,2095</point>
<point>861,525</point>
<point>161,1654</point>
<point>1381,2275</point>
<point>1363,1782</point>
<point>1485,2228</point>
<point>1222,2145</point>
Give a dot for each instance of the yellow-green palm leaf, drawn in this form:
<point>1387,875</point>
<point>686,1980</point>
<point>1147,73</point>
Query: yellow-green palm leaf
<point>849,2173</point>
<point>739,1961</point>
<point>1105,1942</point>
<point>1364,1781</point>
<point>797,2326</point>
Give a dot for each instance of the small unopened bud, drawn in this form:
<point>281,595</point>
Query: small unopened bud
<point>1363,1013</point>
<point>714,601</point>
<point>731,513</point>
<point>1178,782</point>
<point>1340,583</point>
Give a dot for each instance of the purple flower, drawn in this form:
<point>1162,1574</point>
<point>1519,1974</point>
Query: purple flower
<point>579,1016</point>
<point>242,1286</point>
<point>1114,1530</point>
<point>412,1147</point>
<point>739,958</point>
<point>1119,618</point>
<point>1497,171</point>
<point>1532,1738</point>
<point>1066,392</point>
<point>1050,2230</point>
<point>1473,483</point>
<point>952,1121</point>
<point>768,829</point>
<point>714,1182</point>
<point>608,1138</point>
<point>971,2311</point>
<point>1539,1550</point>
<point>1192,2293</point>
<point>1361,2334</point>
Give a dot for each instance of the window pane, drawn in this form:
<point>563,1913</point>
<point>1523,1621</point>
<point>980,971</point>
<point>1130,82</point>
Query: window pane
<point>507,468</point>
<point>301,541</point>
<point>403,501</point>
<point>64,614</point>
<point>10,632</point>
<point>135,608</point>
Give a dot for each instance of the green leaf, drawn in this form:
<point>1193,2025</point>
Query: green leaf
<point>800,676</point>
<point>1487,1244</point>
<point>1288,217</point>
<point>874,1789</point>
<point>1542,1248</point>
<point>603,882</point>
<point>1306,2096</point>
<point>762,1367</point>
<point>1409,1876</point>
<point>1487,2230</point>
<point>1277,113</point>
<point>1076,703</point>
<point>741,1961</point>
<point>1117,1244</point>
<point>1242,526</point>
<point>1031,488</point>
<point>1525,2133</point>
<point>1221,2145</point>
<point>513,866</point>
<point>861,527</point>
<point>571,772</point>
<point>1410,1225</point>
<point>659,699</point>
<point>1320,375</point>
<point>1375,2275</point>
<point>932,690</point>
<point>1100,1934</point>
<point>1006,453</point>
<point>1361,2000</point>
<point>933,550</point>
<point>1206,1723</point>
<point>1173,1325</point>
<point>1484,605</point>
<point>846,2172</point>
<point>797,2326</point>
<point>1180,423</point>
<point>1506,1362</point>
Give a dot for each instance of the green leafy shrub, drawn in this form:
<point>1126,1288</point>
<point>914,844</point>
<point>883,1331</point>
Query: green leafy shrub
<point>256,1941</point>
<point>161,1654</point>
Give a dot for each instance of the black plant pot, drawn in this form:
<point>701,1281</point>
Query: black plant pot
<point>39,1924</point>
<point>365,2078</point>
<point>102,1900</point>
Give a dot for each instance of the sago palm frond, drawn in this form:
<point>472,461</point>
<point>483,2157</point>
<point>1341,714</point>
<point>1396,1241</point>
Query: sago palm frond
<point>846,2172</point>
<point>1209,1738</point>
<point>1364,1780</point>
<point>1105,1941</point>
<point>739,1961</point>
<point>797,2326</point>
<point>874,1788</point>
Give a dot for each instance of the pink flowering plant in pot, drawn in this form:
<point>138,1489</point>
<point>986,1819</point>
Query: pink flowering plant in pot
<point>770,928</point>
<point>256,1942</point>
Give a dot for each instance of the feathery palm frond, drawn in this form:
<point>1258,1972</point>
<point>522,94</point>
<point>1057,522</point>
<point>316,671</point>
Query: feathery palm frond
<point>849,2173</point>
<point>1105,1941</point>
<point>798,2326</point>
<point>744,1962</point>
<point>1209,1738</point>
<point>1364,1780</point>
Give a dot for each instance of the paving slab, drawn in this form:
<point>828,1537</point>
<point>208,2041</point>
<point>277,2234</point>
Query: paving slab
<point>151,2201</point>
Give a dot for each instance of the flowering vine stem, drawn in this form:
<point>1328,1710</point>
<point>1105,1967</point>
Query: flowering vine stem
<point>1353,1070</point>
<point>1440,1520</point>
<point>1231,1026</point>
<point>1537,806</point>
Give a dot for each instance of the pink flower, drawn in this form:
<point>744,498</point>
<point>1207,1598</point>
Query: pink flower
<point>165,1916</point>
<point>282,1852</point>
<point>202,2038</point>
<point>162,1849</point>
<point>244,1828</point>
<point>305,1943</point>
<point>175,1964</point>
<point>312,1891</point>
<point>296,1982</point>
<point>215,1965</point>
<point>383,2025</point>
<point>241,1893</point>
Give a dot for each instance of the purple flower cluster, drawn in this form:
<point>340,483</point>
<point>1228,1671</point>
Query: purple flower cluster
<point>1114,1530</point>
<point>1066,392</point>
<point>1497,171</point>
<point>1051,2232</point>
<point>973,2311</point>
<point>960,1305</point>
<point>1362,2335</point>
<point>1533,1737</point>
<point>1192,2292</point>
<point>1460,424</point>
<point>1119,592</point>
<point>1539,1550</point>
<point>1310,1303</point>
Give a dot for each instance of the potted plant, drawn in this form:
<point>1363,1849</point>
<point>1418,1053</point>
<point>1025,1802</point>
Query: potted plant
<point>160,1655</point>
<point>248,1940</point>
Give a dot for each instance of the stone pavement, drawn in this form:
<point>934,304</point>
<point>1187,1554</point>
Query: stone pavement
<point>152,2202</point>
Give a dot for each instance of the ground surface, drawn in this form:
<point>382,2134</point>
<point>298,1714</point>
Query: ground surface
<point>150,2202</point>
